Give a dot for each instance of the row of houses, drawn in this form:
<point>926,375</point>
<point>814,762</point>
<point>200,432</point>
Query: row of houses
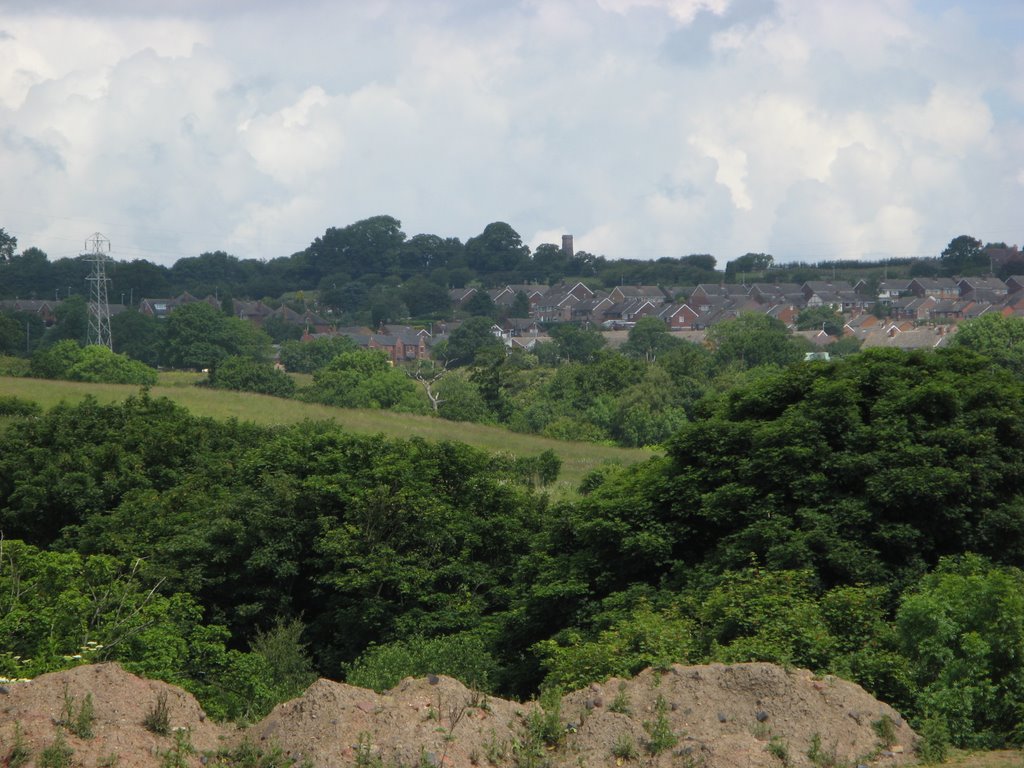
<point>938,302</point>
<point>701,306</point>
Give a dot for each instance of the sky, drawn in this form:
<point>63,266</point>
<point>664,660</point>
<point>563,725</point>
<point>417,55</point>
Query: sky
<point>807,129</point>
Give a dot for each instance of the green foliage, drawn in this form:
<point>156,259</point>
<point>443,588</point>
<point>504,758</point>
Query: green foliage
<point>471,339</point>
<point>649,339</point>
<point>821,317</point>
<point>460,400</point>
<point>78,720</point>
<point>544,724</point>
<point>644,638</point>
<point>248,375</point>
<point>821,757</point>
<point>19,753</point>
<point>933,746</point>
<point>198,336</point>
<point>16,406</point>
<point>757,615</point>
<point>753,339</point>
<point>54,362</point>
<point>778,749</point>
<point>180,752</point>
<point>66,360</point>
<point>659,732</point>
<point>285,654</point>
<point>998,338</point>
<point>99,364</point>
<point>364,378</point>
<point>962,629</point>
<point>57,754</point>
<point>311,356</point>
<point>885,730</point>
<point>464,657</point>
<point>576,344</point>
<point>621,704</point>
<point>248,755</point>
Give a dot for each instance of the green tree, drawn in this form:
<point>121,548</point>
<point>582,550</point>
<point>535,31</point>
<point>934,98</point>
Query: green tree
<point>576,344</point>
<point>753,339</point>
<point>8,245</point>
<point>460,400</point>
<point>56,361</point>
<point>469,340</point>
<point>198,336</point>
<point>748,265</point>
<point>364,378</point>
<point>310,356</point>
<point>425,298</point>
<point>995,336</point>
<point>823,317</point>
<point>138,336</point>
<point>648,339</point>
<point>963,256</point>
<point>72,321</point>
<point>962,628</point>
<point>499,248</point>
<point>520,305</point>
<point>464,657</point>
<point>481,304</point>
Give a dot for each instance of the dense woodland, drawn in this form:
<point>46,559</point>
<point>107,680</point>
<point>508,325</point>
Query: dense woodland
<point>862,517</point>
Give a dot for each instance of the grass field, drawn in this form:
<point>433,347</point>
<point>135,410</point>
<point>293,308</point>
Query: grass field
<point>577,458</point>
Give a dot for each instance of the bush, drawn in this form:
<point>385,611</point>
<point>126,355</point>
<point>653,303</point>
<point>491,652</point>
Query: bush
<point>248,375</point>
<point>158,717</point>
<point>15,406</point>
<point>464,657</point>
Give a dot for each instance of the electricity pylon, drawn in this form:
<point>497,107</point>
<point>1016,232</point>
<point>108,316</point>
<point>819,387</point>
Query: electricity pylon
<point>99,309</point>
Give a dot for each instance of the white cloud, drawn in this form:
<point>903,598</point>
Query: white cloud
<point>643,127</point>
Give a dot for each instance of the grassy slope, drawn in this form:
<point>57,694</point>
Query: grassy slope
<point>577,458</point>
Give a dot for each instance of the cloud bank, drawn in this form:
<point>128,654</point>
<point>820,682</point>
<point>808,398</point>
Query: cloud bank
<point>646,128</point>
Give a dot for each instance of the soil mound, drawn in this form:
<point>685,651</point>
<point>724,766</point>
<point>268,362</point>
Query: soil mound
<point>715,716</point>
<point>120,701</point>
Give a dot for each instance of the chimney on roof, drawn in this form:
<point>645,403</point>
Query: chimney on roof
<point>567,245</point>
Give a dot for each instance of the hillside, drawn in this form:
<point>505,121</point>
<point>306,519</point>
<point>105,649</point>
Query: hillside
<point>749,715</point>
<point>577,458</point>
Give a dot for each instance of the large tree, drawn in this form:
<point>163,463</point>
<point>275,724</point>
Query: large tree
<point>8,245</point>
<point>963,256</point>
<point>499,248</point>
<point>198,336</point>
<point>753,339</point>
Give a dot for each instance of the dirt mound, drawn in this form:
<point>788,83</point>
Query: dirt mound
<point>717,716</point>
<point>433,720</point>
<point>120,701</point>
<point>745,715</point>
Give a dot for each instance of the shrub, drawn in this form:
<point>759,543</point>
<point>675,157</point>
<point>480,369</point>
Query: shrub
<point>624,748</point>
<point>158,717</point>
<point>659,731</point>
<point>248,375</point>
<point>57,755</point>
<point>464,657</point>
<point>19,753</point>
<point>15,406</point>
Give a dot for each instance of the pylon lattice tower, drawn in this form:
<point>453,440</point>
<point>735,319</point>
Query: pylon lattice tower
<point>99,308</point>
